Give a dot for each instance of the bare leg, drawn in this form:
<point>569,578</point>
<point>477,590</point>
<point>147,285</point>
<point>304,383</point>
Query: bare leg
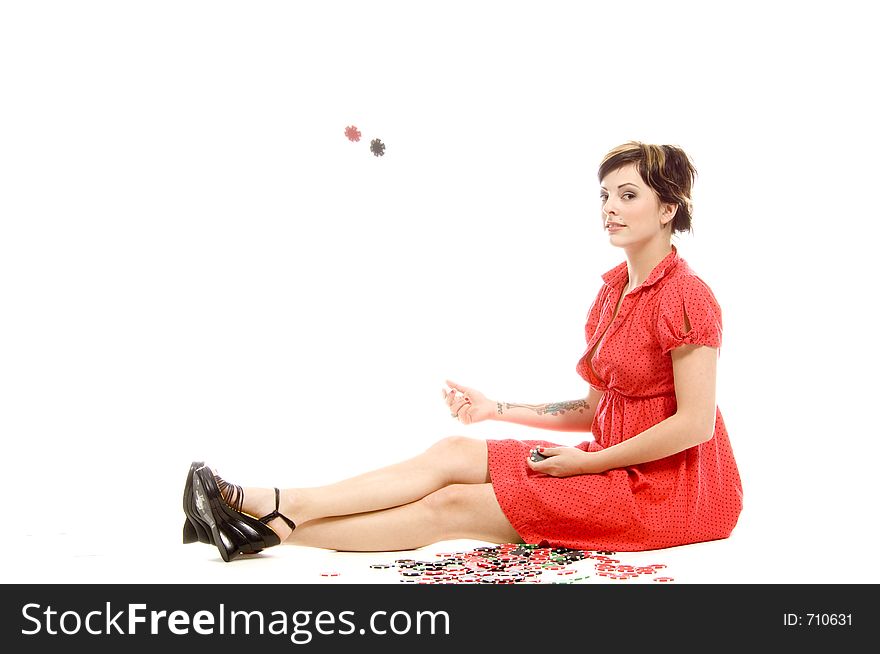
<point>452,460</point>
<point>455,511</point>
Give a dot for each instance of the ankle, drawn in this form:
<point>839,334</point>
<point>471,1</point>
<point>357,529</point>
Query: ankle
<point>290,504</point>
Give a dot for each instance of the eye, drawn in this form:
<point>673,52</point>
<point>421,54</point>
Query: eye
<point>604,196</point>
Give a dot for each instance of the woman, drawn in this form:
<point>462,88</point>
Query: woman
<point>660,471</point>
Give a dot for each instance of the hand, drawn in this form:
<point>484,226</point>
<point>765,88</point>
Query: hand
<point>467,404</point>
<point>566,462</point>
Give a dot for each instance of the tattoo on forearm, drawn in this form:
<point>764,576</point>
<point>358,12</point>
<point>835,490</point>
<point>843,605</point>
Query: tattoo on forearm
<point>553,408</point>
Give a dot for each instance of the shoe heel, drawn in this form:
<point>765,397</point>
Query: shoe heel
<point>190,535</point>
<point>193,529</point>
<point>234,533</point>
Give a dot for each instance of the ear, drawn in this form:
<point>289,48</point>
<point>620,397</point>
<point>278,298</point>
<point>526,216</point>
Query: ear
<point>669,211</point>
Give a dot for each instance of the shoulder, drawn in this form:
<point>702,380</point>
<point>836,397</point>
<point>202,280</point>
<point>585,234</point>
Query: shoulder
<point>684,284</point>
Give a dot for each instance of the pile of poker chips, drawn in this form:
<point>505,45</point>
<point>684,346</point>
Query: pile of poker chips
<point>614,569</point>
<point>514,563</point>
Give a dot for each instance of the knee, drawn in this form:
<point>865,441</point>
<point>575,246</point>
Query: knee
<point>452,445</point>
<point>448,501</point>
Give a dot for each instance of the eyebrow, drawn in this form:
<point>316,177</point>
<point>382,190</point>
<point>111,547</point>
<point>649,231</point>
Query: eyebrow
<point>624,184</point>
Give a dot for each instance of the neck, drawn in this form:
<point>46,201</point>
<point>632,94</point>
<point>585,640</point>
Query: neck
<point>640,262</point>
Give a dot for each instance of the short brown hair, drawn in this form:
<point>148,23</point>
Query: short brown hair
<point>665,168</point>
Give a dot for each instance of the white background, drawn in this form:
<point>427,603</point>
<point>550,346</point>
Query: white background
<point>195,263</point>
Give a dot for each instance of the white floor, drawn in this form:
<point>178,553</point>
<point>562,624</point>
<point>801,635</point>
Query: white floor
<point>131,555</point>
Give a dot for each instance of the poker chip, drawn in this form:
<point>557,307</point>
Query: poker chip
<point>329,574</point>
<point>663,579</point>
<point>352,133</point>
<point>379,566</point>
<point>377,148</point>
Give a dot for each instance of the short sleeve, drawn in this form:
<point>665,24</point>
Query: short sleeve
<point>688,301</point>
<point>595,312</point>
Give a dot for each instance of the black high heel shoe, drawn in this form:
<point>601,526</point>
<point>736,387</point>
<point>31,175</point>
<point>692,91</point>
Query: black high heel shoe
<point>234,532</point>
<point>193,530</point>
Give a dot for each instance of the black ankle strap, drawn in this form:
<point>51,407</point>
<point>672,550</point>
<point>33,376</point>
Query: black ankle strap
<point>232,494</point>
<point>275,514</point>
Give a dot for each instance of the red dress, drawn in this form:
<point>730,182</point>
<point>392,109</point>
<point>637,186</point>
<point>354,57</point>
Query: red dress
<point>692,496</point>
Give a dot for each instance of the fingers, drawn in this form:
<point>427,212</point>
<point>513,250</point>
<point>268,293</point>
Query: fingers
<point>453,396</point>
<point>458,387</point>
<point>459,406</point>
<point>456,402</point>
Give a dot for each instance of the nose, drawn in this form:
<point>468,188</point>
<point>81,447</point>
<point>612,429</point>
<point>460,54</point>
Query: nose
<point>608,209</point>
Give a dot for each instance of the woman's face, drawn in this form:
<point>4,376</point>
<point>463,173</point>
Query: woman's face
<point>631,210</point>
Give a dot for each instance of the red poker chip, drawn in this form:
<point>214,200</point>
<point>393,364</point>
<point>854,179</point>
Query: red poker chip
<point>352,133</point>
<point>663,579</point>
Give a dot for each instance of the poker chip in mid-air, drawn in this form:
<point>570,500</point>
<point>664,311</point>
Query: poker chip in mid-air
<point>377,147</point>
<point>352,133</point>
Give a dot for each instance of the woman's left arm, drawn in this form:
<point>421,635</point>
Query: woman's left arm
<point>694,369</point>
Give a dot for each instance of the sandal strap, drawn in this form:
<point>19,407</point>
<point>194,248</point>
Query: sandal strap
<point>275,514</point>
<point>233,494</point>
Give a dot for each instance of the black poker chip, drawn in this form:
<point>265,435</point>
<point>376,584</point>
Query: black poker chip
<point>377,148</point>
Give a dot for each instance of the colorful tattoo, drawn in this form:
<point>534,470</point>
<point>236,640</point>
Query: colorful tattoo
<point>554,408</point>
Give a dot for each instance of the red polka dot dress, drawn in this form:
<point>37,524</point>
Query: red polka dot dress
<point>692,496</point>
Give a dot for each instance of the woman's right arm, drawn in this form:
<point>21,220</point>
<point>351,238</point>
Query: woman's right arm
<point>573,415</point>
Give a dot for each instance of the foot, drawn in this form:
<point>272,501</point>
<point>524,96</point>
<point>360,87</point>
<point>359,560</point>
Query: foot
<point>257,502</point>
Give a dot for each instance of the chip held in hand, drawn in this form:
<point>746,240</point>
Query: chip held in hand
<point>536,456</point>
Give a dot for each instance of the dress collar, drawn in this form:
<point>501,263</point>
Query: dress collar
<point>616,277</point>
